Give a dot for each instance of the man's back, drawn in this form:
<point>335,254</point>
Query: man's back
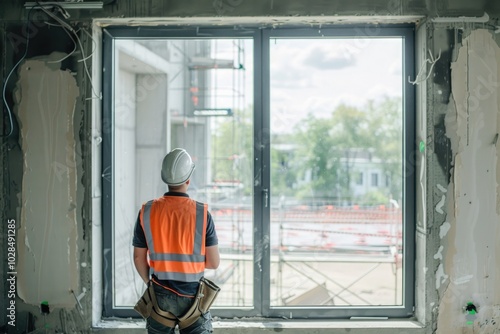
<point>179,236</point>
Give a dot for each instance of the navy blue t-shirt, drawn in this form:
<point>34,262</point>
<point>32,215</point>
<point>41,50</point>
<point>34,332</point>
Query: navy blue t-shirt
<point>183,288</point>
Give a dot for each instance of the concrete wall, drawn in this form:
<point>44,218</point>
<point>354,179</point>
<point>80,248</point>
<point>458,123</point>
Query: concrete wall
<point>456,155</point>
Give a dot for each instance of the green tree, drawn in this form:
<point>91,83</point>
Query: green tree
<point>317,158</point>
<point>386,129</point>
<point>350,136</point>
<point>328,148</point>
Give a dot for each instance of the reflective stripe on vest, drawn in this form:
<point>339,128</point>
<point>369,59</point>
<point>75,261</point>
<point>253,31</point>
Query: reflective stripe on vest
<point>175,230</point>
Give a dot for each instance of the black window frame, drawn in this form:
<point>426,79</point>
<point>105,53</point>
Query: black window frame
<point>261,37</point>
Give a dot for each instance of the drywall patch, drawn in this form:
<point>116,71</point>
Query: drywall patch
<point>472,258</point>
<point>48,259</point>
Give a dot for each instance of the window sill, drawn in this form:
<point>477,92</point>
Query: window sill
<point>256,325</point>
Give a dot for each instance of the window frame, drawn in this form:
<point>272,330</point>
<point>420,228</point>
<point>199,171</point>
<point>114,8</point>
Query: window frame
<point>261,215</point>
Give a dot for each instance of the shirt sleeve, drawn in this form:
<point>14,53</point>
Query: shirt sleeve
<point>211,238</point>
<point>139,236</point>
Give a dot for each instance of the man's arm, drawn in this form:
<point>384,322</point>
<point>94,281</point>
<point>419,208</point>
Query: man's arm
<point>141,263</point>
<point>212,257</point>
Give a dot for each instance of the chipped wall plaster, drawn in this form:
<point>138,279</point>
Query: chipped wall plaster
<point>471,250</point>
<point>47,249</point>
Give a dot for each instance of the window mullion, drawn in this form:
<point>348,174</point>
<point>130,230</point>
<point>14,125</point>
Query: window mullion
<point>264,137</point>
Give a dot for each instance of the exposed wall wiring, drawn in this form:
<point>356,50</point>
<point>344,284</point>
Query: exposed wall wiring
<point>77,42</point>
<point>430,60</point>
<point>9,112</point>
<point>94,46</point>
<point>67,26</point>
<point>74,43</point>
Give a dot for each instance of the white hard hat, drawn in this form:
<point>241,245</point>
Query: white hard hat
<point>177,167</point>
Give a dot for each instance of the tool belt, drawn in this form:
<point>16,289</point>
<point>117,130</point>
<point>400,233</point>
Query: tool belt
<point>147,306</point>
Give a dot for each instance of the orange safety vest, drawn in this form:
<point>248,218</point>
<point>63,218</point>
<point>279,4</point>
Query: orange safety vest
<point>175,228</point>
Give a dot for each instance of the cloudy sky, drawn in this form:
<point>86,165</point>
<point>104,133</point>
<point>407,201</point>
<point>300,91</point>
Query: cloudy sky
<point>316,75</point>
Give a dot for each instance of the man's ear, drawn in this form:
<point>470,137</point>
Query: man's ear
<point>188,182</point>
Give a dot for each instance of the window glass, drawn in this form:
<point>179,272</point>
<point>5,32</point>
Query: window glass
<point>334,116</point>
<point>194,94</point>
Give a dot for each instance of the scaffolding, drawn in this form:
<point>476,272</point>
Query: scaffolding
<point>307,257</point>
<point>218,96</point>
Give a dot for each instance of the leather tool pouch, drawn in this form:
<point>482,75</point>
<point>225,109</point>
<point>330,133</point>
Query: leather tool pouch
<point>210,292</point>
<point>145,304</point>
<point>205,297</point>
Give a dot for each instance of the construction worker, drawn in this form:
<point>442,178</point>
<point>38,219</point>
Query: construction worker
<point>179,236</point>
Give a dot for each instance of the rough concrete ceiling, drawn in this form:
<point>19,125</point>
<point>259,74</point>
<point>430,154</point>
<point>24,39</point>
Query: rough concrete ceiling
<point>14,10</point>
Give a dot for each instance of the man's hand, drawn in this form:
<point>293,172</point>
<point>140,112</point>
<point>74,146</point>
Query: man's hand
<point>141,263</point>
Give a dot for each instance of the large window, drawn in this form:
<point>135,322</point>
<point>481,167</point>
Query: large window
<point>282,125</point>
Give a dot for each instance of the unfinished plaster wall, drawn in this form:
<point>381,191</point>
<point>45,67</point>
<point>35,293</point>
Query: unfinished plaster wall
<point>47,261</point>
<point>469,254</point>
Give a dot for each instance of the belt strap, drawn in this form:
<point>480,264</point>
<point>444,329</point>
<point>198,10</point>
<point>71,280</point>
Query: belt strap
<point>162,320</point>
<point>148,306</point>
